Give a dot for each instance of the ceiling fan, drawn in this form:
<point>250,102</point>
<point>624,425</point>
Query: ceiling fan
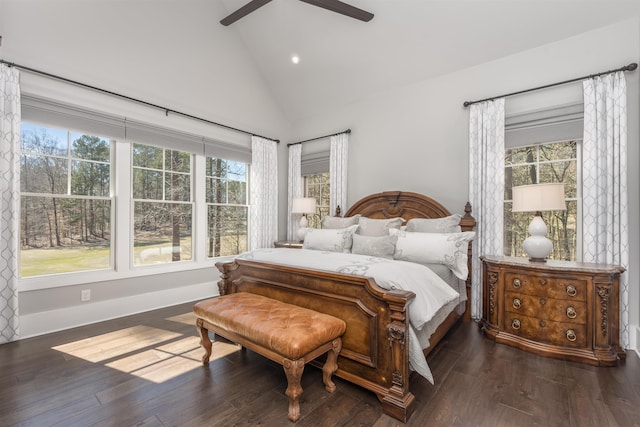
<point>332,5</point>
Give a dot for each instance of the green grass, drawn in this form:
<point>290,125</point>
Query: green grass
<point>37,262</point>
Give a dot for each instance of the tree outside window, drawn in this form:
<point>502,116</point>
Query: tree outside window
<point>163,211</point>
<point>317,186</point>
<point>65,202</point>
<point>227,207</point>
<point>536,164</point>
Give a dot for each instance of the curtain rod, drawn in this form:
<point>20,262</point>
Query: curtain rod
<point>128,98</point>
<point>318,137</point>
<point>629,67</point>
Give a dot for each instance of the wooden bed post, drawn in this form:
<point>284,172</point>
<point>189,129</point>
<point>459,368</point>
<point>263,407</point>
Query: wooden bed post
<point>399,402</point>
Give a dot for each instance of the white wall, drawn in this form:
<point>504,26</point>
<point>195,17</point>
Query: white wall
<point>415,138</point>
<point>134,48</point>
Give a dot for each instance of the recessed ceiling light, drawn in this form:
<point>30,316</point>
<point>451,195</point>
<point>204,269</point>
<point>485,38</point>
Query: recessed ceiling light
<point>295,59</point>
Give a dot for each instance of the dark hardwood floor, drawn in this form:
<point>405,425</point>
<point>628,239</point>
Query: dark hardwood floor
<point>144,370</point>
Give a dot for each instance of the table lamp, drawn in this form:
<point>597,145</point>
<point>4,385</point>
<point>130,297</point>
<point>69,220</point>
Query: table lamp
<point>537,198</point>
<point>304,206</point>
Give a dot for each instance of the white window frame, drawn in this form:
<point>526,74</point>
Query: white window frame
<point>63,115</point>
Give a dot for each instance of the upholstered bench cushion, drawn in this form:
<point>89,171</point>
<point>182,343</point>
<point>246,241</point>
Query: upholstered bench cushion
<point>287,329</point>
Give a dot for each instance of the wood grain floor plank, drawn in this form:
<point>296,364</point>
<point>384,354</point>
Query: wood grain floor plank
<point>478,383</point>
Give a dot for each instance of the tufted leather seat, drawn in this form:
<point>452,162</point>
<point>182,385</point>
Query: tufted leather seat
<point>285,333</point>
<point>287,329</point>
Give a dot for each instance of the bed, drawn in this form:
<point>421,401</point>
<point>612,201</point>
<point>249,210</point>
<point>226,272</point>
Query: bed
<point>376,344</point>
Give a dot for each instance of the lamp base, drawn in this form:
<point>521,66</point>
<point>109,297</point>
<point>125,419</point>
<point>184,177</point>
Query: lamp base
<point>537,246</point>
<point>302,231</point>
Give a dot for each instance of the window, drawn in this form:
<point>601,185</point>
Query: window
<point>317,185</point>
<point>174,200</point>
<point>162,219</point>
<point>65,201</point>
<point>227,207</point>
<point>544,163</point>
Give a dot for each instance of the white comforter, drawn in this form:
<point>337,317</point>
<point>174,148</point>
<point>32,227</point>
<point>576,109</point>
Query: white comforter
<point>434,298</point>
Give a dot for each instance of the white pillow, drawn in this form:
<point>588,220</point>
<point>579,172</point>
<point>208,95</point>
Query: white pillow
<point>448,224</point>
<point>332,239</point>
<point>378,246</point>
<point>449,249</point>
<point>378,227</point>
<point>339,222</point>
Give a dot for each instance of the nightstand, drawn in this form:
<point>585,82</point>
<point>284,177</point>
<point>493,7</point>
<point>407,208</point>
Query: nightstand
<point>293,244</point>
<point>566,310</point>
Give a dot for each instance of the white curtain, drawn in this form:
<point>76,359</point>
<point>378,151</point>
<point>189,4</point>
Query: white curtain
<point>9,201</point>
<point>263,217</point>
<point>295,189</point>
<point>338,163</point>
<point>604,188</point>
<point>486,188</point>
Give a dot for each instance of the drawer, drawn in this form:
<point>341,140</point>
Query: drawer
<point>557,310</point>
<point>565,334</point>
<point>546,286</point>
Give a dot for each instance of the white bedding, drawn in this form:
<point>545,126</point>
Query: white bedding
<point>434,300</point>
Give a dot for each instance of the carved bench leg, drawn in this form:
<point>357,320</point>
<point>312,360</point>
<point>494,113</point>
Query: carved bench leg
<point>205,342</point>
<point>331,365</point>
<point>293,369</point>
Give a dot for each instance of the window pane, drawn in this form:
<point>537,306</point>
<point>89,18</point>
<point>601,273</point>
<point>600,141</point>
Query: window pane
<point>515,156</point>
<point>226,185</point>
<point>147,156</point>
<point>216,190</point>
<point>317,186</point>
<point>43,140</point>
<point>227,230</point>
<point>177,161</point>
<point>62,235</point>
<point>177,187</point>
<point>162,232</point>
<point>90,147</point>
<point>90,179</point>
<point>43,174</point>
<point>216,167</point>
<point>147,184</point>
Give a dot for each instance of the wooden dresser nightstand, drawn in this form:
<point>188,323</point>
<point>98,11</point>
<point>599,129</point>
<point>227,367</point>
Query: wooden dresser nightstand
<point>294,244</point>
<point>566,310</point>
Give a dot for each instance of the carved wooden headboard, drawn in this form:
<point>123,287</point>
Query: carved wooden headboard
<point>408,205</point>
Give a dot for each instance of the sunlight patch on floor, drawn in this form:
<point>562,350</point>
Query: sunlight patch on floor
<point>186,318</point>
<point>117,343</point>
<point>149,353</point>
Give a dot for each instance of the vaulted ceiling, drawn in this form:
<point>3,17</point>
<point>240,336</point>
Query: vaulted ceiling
<point>343,60</point>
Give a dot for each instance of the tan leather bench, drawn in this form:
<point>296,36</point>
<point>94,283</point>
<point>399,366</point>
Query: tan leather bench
<point>285,333</point>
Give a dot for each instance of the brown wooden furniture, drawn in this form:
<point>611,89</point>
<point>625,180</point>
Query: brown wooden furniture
<point>375,354</point>
<point>294,244</point>
<point>565,310</point>
<point>287,334</point>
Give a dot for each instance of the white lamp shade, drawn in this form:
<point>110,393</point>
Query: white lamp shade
<point>539,197</point>
<point>304,205</point>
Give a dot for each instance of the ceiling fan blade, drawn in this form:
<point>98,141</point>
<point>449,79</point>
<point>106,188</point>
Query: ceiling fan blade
<point>243,11</point>
<point>342,8</point>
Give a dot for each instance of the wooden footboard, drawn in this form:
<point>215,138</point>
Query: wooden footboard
<point>375,351</point>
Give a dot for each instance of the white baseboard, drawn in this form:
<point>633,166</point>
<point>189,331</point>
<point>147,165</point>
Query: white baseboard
<point>70,317</point>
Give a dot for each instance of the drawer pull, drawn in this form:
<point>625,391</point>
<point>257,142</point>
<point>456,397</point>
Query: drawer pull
<point>517,283</point>
<point>571,335</point>
<point>517,303</point>
<point>543,282</point>
<point>571,312</point>
<point>571,290</point>
<point>515,324</point>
